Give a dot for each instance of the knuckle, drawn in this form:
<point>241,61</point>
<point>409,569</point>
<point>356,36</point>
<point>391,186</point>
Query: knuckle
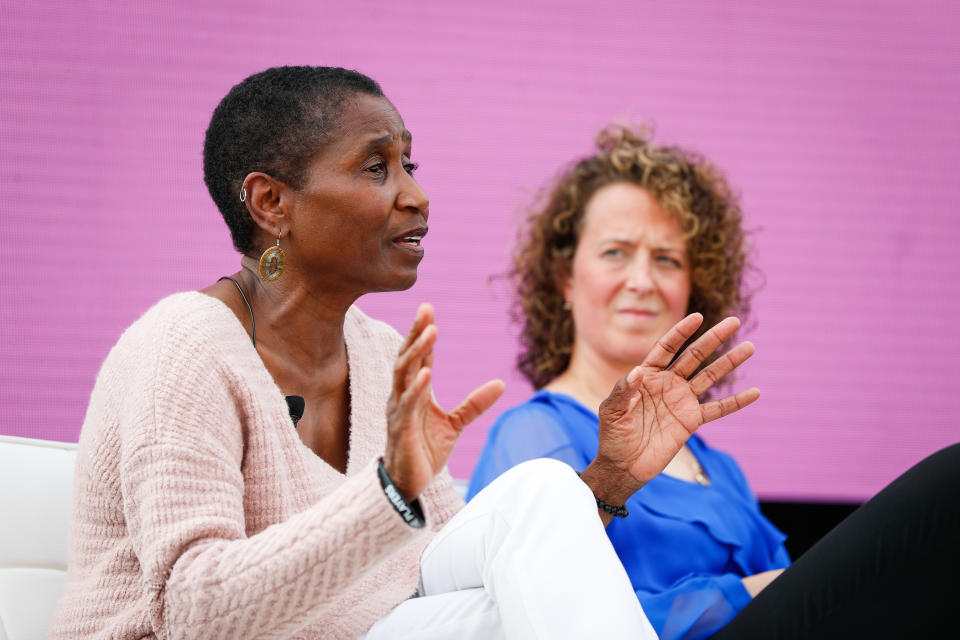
<point>666,346</point>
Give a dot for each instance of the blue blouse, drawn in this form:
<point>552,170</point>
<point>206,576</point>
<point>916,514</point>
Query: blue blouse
<point>684,546</point>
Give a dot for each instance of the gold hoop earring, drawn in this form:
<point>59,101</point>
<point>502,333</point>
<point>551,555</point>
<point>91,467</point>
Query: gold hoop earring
<point>272,262</point>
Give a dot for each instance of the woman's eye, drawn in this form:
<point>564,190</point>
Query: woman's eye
<point>612,253</point>
<point>377,169</point>
<point>410,167</point>
<point>673,262</point>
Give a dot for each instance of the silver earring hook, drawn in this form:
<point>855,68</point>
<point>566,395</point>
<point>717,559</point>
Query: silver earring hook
<point>243,194</point>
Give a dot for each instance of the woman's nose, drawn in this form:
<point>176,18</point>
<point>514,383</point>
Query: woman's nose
<point>639,277</point>
<point>413,198</point>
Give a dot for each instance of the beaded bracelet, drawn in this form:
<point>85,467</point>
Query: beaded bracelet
<point>616,512</point>
<point>411,513</point>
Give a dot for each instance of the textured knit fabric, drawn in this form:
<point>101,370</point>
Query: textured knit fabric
<point>684,546</point>
<point>198,512</point>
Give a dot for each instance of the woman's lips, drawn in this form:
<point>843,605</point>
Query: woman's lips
<point>410,245</point>
<point>411,241</point>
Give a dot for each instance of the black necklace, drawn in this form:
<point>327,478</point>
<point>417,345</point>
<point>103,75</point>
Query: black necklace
<point>253,323</point>
<point>295,404</point>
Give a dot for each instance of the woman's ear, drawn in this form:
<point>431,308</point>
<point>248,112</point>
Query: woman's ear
<point>562,280</point>
<point>263,202</point>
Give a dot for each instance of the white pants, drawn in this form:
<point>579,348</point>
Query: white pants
<point>527,558</point>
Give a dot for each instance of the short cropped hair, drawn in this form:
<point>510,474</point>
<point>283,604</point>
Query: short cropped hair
<point>274,121</point>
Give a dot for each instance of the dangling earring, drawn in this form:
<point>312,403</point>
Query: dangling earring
<point>567,306</point>
<point>272,261</point>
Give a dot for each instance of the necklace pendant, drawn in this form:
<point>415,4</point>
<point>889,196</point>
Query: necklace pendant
<point>702,479</point>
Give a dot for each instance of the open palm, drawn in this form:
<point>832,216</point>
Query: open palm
<point>420,434</point>
<point>652,411</point>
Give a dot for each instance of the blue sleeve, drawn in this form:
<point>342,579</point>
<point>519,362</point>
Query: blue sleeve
<point>695,607</point>
<point>529,431</point>
<point>781,558</point>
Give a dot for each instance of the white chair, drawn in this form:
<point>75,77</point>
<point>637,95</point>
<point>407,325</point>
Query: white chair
<point>36,482</point>
<point>461,486</point>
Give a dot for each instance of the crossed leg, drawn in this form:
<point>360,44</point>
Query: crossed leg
<point>528,557</point>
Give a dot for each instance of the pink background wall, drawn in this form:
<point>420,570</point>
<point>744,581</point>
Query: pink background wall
<point>837,120</point>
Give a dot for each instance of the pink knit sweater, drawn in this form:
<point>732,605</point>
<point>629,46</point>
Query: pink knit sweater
<point>198,513</point>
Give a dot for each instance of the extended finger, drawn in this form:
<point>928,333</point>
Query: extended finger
<point>422,356</point>
<point>423,317</point>
<point>666,347</point>
<point>726,406</point>
<point>431,318</point>
<point>726,363</point>
<point>410,361</point>
<point>694,355</point>
<point>422,391</point>
<point>412,399</point>
<point>420,351</point>
<point>479,400</point>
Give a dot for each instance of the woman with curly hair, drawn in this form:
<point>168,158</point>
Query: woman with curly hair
<point>628,242</point>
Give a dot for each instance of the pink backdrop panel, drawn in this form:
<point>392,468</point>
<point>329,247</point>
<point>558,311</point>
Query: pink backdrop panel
<point>836,120</point>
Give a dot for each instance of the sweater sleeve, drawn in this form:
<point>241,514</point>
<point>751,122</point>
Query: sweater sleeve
<point>183,491</point>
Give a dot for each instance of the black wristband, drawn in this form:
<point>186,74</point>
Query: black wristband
<point>616,512</point>
<point>411,513</point>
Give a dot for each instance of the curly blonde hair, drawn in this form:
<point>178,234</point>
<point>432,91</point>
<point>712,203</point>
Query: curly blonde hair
<point>683,183</point>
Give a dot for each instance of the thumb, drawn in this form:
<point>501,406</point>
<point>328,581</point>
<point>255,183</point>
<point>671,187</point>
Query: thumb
<point>619,400</point>
<point>479,400</point>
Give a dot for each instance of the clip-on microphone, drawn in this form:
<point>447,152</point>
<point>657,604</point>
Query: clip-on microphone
<point>296,405</point>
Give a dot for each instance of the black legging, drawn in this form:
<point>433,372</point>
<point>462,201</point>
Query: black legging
<point>889,570</point>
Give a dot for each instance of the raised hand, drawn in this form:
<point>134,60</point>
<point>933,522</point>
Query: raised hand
<point>420,434</point>
<point>654,409</point>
